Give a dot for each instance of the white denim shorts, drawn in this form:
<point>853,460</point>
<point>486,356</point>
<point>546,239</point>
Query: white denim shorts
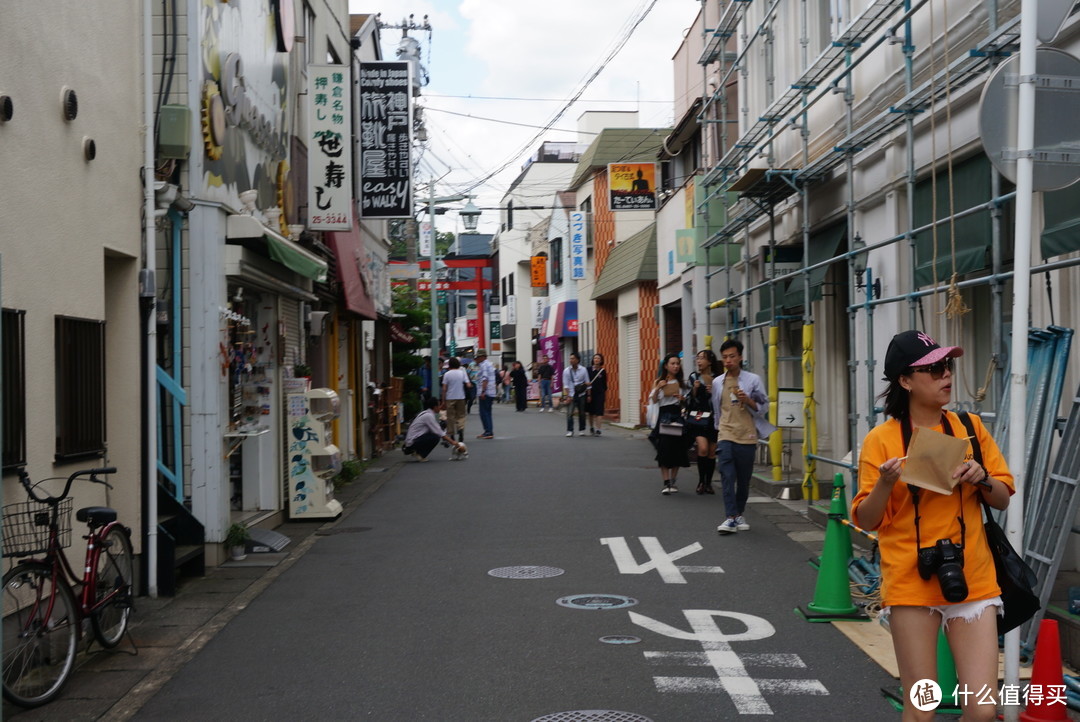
<point>969,611</point>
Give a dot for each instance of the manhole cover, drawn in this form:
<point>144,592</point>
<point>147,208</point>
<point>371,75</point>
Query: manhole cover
<point>342,530</point>
<point>593,715</point>
<point>596,601</point>
<point>526,572</point>
<point>620,639</point>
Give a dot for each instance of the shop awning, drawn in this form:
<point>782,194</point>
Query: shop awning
<point>560,319</point>
<point>281,249</point>
<point>348,247</point>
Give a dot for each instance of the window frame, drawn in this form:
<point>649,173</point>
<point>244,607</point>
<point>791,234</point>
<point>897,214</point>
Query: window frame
<point>13,388</point>
<point>80,387</point>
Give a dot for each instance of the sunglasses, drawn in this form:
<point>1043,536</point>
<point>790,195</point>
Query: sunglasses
<point>936,370</point>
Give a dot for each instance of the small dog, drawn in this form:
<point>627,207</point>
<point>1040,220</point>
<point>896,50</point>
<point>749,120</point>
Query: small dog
<point>458,455</point>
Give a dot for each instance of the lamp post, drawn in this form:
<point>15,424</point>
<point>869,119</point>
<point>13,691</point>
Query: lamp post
<point>467,213</point>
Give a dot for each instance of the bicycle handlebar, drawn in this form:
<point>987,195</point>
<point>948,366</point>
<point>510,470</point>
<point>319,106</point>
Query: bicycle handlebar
<point>24,479</point>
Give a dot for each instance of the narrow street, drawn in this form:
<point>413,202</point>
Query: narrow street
<point>394,612</point>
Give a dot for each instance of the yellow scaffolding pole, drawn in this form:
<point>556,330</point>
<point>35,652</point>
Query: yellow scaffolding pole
<point>810,486</point>
<point>776,441</point>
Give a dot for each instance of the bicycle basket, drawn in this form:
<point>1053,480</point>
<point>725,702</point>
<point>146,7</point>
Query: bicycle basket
<point>26,527</point>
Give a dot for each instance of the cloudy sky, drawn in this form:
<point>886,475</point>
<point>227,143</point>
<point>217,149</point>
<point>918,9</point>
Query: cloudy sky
<point>518,62</point>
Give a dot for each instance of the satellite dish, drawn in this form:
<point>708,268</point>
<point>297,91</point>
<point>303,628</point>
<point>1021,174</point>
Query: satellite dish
<point>1057,98</point>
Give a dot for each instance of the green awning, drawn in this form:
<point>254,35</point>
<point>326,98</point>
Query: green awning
<point>971,187</point>
<point>824,245</point>
<point>630,262</point>
<point>296,258</point>
<point>1061,212</point>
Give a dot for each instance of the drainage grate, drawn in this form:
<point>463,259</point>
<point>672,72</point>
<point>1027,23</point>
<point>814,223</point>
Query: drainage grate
<point>620,639</point>
<point>596,601</point>
<point>593,715</point>
<point>526,572</point>
<point>342,530</point>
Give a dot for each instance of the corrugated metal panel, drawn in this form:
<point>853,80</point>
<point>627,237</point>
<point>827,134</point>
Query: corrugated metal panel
<point>289,313</point>
<point>631,410</point>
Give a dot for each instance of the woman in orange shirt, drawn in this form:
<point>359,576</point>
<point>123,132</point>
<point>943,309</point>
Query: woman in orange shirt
<point>946,588</point>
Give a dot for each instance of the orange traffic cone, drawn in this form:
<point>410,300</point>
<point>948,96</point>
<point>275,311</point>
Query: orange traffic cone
<point>1046,693</point>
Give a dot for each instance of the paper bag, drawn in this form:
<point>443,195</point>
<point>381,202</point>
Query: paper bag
<point>931,460</point>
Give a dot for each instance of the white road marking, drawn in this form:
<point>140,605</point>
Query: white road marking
<point>663,562</point>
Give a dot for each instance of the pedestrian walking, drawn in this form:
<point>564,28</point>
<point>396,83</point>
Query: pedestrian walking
<point>575,387</point>
<point>485,379</point>
<point>597,396</point>
<point>470,391</point>
<point>699,416</point>
<point>502,377</point>
<point>668,392</point>
<point>455,384</point>
<point>425,433</point>
<point>545,372</point>
<point>521,385</point>
<point>739,407</point>
<point>926,588</point>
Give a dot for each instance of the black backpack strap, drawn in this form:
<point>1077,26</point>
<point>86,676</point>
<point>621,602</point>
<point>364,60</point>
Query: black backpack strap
<point>976,450</point>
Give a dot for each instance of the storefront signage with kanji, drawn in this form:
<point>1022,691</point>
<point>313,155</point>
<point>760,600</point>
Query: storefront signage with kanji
<point>330,149</point>
<point>632,186</point>
<point>385,140</point>
<point>577,246</point>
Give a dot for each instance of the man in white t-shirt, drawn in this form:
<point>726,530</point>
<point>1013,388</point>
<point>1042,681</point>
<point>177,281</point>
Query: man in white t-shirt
<point>454,383</point>
<point>485,382</point>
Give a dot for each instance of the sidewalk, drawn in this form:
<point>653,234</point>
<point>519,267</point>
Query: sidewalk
<point>169,631</point>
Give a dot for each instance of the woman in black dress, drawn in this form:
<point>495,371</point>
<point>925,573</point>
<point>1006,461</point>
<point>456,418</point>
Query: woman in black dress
<point>699,417</point>
<point>596,400</point>
<point>521,385</point>
<point>668,392</point>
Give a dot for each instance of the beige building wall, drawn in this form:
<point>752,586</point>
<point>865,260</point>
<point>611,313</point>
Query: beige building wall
<point>70,239</point>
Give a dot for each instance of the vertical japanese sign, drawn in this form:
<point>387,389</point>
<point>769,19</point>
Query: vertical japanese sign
<point>538,271</point>
<point>577,246</point>
<point>329,149</point>
<point>632,186</point>
<point>425,238</point>
<point>385,140</point>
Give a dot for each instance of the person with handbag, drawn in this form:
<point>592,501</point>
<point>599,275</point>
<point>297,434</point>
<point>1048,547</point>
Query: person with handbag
<point>596,399</point>
<point>668,435</point>
<point>937,569</point>
<point>575,388</point>
<point>740,409</point>
<point>699,416</point>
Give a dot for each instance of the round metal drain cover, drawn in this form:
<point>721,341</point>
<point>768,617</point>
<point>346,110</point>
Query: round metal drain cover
<point>526,572</point>
<point>620,639</point>
<point>596,601</point>
<point>593,715</point>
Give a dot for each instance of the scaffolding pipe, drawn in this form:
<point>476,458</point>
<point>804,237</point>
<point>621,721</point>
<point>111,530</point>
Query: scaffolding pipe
<point>871,409</point>
<point>835,462</point>
<point>776,439</point>
<point>1025,167</point>
<point>810,487</point>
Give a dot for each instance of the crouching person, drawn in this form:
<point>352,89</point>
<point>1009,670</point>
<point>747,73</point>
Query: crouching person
<point>425,433</point>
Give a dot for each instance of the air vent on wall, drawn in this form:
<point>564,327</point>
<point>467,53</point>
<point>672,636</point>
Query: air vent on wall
<point>7,108</point>
<point>89,148</point>
<point>69,103</point>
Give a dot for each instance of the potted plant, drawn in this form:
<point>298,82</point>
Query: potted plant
<point>236,537</point>
<point>301,371</point>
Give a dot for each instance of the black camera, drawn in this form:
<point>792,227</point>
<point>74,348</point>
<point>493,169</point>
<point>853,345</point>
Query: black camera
<point>947,561</point>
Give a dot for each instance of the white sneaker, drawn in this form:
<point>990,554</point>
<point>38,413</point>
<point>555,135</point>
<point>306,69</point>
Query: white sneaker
<point>569,434</point>
<point>550,410</point>
<point>582,433</point>
<point>728,527</point>
<point>740,522</point>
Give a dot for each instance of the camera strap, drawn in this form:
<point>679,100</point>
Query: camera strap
<point>905,429</point>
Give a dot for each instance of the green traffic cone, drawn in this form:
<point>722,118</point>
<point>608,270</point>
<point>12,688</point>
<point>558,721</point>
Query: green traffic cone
<point>832,594</point>
<point>946,671</point>
<point>839,500</point>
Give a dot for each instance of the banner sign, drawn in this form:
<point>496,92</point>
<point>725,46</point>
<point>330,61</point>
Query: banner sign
<point>577,246</point>
<point>538,268</point>
<point>538,306</point>
<point>632,186</point>
<point>425,239</point>
<point>329,149</point>
<point>385,140</point>
<point>685,245</point>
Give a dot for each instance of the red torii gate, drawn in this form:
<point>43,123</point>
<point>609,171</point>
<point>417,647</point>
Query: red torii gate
<point>478,284</point>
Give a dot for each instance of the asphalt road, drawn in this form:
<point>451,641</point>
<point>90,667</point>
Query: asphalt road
<point>394,615</point>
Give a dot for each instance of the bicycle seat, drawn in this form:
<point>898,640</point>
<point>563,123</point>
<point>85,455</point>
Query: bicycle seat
<point>96,516</point>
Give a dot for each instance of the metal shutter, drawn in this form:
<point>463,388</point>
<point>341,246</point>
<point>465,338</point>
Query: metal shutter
<point>289,313</point>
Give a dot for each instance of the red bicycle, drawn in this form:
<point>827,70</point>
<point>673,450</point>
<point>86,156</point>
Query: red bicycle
<point>42,620</point>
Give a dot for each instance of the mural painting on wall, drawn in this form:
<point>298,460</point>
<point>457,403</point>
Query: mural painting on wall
<point>245,119</point>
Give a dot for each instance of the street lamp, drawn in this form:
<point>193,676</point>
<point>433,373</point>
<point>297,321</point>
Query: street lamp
<point>470,216</point>
<point>432,200</point>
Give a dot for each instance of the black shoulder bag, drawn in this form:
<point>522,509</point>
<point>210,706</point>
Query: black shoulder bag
<point>1014,576</point>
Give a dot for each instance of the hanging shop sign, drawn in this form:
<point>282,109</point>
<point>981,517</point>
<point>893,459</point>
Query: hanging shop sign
<point>577,246</point>
<point>385,140</point>
<point>538,269</point>
<point>330,149</point>
<point>632,186</point>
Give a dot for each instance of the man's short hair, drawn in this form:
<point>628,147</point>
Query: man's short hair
<point>732,343</point>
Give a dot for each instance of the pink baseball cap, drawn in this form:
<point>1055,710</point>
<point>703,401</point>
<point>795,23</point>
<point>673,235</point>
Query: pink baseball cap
<point>915,348</point>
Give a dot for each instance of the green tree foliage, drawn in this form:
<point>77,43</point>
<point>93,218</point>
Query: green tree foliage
<point>413,313</point>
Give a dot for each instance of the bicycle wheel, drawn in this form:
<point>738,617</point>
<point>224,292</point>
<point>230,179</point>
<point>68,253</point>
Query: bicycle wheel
<point>113,589</point>
<point>39,630</point>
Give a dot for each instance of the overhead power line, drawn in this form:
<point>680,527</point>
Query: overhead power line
<point>539,100</point>
<point>508,122</point>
